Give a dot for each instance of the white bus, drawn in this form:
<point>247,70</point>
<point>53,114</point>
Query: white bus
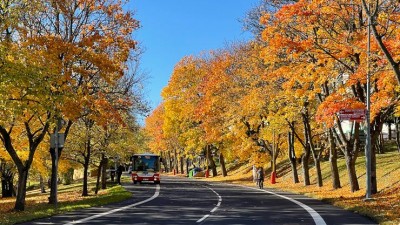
<point>146,167</point>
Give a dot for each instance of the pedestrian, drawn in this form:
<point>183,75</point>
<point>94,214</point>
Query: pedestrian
<point>119,173</point>
<point>254,174</point>
<point>260,177</point>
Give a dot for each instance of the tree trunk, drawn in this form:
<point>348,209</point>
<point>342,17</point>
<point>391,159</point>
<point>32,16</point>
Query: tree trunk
<point>23,167</point>
<point>351,170</point>
<point>176,166</point>
<point>85,177</point>
<point>379,148</point>
<point>98,177</point>
<point>187,166</point>
<point>306,169</point>
<point>306,146</point>
<point>375,134</point>
<point>165,162</point>
<point>86,168</point>
<point>104,174</point>
<point>181,164</point>
<point>310,146</point>
<point>397,130</point>
<point>222,162</point>
<point>21,189</point>
<point>317,163</point>
<point>389,124</point>
<point>292,158</point>
<point>171,164</point>
<point>351,154</point>
<point>333,162</point>
<point>376,131</point>
<point>294,170</point>
<point>42,184</point>
<point>374,181</point>
<point>211,161</point>
<point>53,179</point>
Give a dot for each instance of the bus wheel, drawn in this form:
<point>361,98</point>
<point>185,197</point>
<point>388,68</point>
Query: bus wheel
<point>157,182</point>
<point>135,182</point>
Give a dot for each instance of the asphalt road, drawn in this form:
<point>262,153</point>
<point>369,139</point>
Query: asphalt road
<point>185,201</point>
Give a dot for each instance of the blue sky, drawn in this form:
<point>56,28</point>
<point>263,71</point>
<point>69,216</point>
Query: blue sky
<point>172,29</point>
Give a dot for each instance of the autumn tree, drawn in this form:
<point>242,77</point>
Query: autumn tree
<point>76,41</point>
<point>354,62</point>
<point>86,40</point>
<point>333,34</point>
<point>26,106</point>
<point>290,35</point>
<point>153,129</point>
<point>181,97</point>
<point>252,93</point>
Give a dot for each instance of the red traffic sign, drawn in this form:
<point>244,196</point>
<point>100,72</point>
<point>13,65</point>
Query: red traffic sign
<point>353,111</point>
<point>351,117</point>
<point>352,114</point>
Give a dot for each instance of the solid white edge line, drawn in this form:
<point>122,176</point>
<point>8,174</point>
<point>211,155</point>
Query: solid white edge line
<point>214,209</point>
<point>316,217</point>
<point>156,194</point>
<point>203,218</point>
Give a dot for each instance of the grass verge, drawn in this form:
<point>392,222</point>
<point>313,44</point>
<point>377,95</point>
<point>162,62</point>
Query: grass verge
<point>383,208</point>
<point>69,199</point>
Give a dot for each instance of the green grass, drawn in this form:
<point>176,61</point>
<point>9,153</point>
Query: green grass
<point>384,208</point>
<point>37,206</point>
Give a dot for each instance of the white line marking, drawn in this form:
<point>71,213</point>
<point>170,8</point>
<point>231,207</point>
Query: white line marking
<point>204,217</point>
<point>156,194</point>
<point>214,209</point>
<point>316,217</point>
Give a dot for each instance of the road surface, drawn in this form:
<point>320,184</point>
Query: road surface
<point>185,201</point>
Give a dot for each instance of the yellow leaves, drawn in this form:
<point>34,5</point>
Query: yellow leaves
<point>265,18</point>
<point>299,93</point>
<point>10,58</point>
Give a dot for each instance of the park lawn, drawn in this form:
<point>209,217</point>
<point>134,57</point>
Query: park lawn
<point>383,208</point>
<point>69,199</point>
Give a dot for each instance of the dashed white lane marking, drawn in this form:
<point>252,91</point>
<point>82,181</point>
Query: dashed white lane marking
<point>214,209</point>
<point>156,194</point>
<point>316,217</point>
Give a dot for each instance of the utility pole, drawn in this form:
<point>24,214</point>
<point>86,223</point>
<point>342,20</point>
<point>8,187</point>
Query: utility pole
<point>368,113</point>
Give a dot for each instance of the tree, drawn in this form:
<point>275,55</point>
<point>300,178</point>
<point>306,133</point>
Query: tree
<point>25,111</point>
<point>86,41</point>
<point>182,95</point>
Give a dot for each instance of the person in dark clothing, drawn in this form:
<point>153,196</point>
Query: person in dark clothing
<point>119,173</point>
<point>260,177</point>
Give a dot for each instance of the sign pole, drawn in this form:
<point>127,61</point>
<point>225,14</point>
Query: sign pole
<point>368,119</point>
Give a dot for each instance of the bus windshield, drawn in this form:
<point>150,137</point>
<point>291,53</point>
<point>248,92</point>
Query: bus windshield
<point>148,163</point>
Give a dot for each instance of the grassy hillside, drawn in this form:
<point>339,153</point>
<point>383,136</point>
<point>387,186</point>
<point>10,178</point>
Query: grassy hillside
<point>384,207</point>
